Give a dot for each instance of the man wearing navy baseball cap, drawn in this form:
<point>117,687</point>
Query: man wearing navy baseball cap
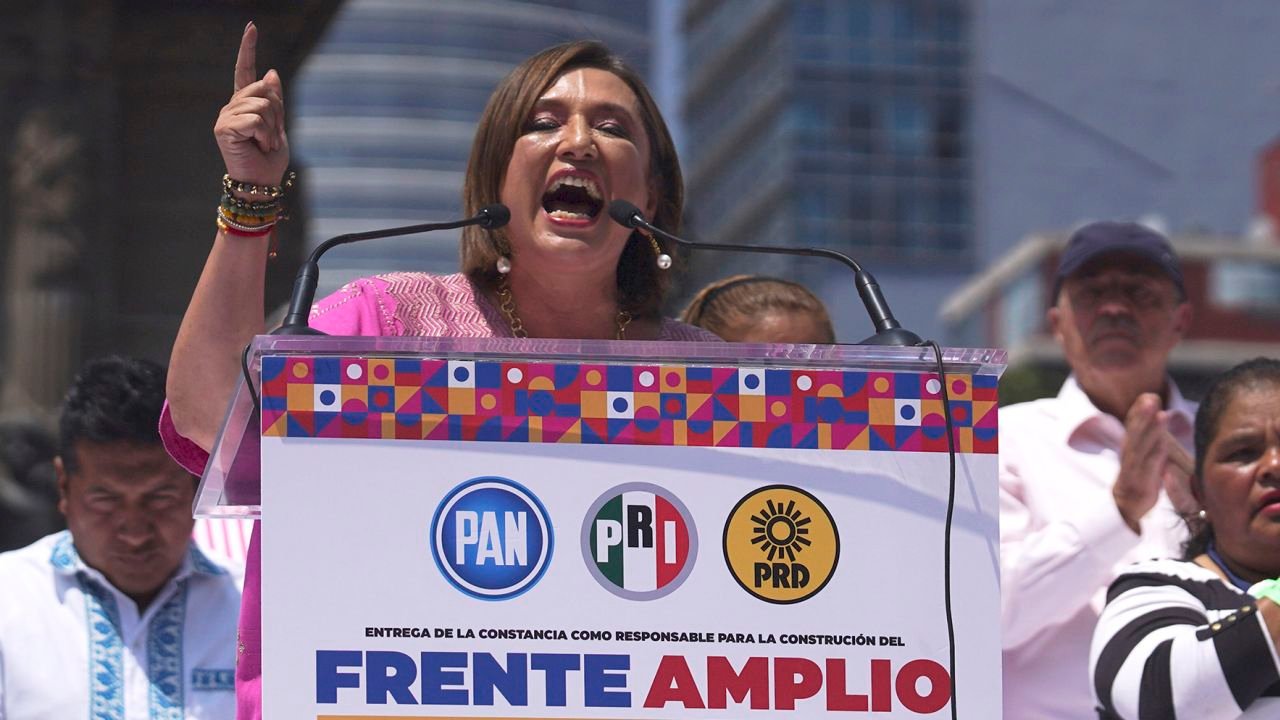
<point>1097,477</point>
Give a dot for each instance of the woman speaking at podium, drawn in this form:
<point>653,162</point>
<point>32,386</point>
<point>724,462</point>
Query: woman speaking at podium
<point>568,131</point>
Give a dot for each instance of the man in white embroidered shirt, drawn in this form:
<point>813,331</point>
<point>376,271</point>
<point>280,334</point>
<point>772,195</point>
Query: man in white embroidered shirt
<point>1095,478</point>
<point>119,616</point>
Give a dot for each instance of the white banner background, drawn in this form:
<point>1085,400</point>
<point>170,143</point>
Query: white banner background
<point>346,546</point>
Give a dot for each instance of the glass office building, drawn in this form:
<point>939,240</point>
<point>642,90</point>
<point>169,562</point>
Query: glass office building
<point>834,124</point>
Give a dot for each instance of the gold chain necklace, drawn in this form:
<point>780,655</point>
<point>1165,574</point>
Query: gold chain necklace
<point>507,305</point>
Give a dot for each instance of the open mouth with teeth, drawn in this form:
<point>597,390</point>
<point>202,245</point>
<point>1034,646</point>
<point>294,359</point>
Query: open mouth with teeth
<point>573,197</point>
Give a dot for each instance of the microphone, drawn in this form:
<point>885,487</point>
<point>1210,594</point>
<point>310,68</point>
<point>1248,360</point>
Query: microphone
<point>304,284</point>
<point>888,330</point>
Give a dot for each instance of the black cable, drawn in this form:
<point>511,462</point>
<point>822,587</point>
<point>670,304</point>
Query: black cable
<point>951,507</point>
<point>248,378</point>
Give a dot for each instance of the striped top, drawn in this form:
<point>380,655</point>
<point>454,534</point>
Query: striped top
<point>1177,641</point>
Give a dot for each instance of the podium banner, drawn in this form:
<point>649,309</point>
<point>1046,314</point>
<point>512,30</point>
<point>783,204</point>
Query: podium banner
<point>548,538</point>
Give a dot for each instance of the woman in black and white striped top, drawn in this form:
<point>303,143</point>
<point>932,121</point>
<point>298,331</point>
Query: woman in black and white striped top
<point>1197,638</point>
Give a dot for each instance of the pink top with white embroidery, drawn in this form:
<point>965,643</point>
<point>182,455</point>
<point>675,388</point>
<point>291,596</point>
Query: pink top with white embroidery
<point>391,305</point>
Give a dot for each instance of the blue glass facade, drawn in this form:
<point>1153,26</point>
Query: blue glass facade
<point>837,124</point>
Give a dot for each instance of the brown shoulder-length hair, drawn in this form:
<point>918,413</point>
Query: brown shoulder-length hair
<point>641,285</point>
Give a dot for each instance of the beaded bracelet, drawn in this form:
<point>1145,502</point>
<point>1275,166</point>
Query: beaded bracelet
<point>236,206</point>
<point>1269,589</point>
<point>251,220</point>
<point>271,191</point>
<point>240,217</point>
<point>267,231</point>
<point>230,223</point>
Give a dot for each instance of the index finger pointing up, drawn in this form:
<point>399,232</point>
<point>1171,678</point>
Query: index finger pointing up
<point>247,58</point>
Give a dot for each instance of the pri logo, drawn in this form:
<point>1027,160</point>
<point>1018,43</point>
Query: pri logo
<point>492,538</point>
<point>639,541</point>
<point>781,544</point>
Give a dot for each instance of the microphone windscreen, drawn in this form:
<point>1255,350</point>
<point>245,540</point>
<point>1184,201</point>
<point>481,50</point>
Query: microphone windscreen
<point>495,216</point>
<point>624,213</point>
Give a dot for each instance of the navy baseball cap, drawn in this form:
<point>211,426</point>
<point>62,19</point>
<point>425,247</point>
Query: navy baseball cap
<point>1107,237</point>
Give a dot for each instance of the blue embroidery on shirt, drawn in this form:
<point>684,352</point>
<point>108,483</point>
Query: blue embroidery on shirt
<point>164,657</point>
<point>106,652</point>
<point>164,644</point>
<point>206,679</point>
<point>63,556</point>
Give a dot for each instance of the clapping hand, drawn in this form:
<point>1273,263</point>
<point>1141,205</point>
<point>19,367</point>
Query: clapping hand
<point>1150,460</point>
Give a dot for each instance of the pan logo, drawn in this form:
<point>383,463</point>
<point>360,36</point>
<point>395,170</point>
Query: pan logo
<point>639,541</point>
<point>781,544</point>
<point>492,538</point>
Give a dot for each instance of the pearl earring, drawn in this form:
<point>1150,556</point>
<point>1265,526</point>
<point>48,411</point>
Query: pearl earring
<point>504,264</point>
<point>663,259</point>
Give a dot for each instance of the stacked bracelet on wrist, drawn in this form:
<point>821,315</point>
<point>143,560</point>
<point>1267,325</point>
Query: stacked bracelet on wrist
<point>237,206</point>
<point>1269,589</point>
<point>272,191</point>
<point>248,218</point>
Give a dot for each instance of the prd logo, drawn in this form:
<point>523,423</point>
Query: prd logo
<point>781,544</point>
<point>492,538</point>
<point>639,541</point>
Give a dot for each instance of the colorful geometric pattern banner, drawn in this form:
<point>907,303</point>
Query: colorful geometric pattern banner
<point>566,402</point>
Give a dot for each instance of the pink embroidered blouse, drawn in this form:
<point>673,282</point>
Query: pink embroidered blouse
<point>395,304</point>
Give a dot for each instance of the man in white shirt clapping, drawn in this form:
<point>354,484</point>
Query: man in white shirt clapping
<point>120,615</point>
<point>1095,478</point>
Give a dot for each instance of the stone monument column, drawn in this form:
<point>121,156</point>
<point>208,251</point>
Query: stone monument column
<point>109,174</point>
<point>43,297</point>
<point>56,197</point>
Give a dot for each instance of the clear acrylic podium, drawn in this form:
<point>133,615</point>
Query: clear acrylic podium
<point>507,528</point>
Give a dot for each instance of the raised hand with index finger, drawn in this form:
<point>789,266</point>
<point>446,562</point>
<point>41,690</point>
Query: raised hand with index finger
<point>250,129</point>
